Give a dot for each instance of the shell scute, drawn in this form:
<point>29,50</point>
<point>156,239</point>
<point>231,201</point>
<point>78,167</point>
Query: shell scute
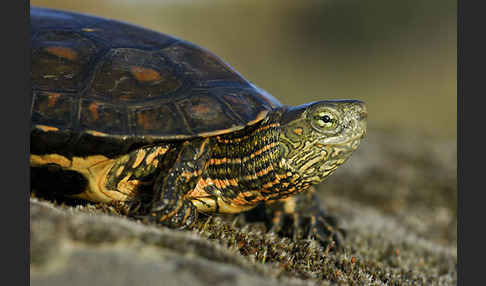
<point>201,110</point>
<point>201,65</point>
<point>131,74</point>
<point>244,104</point>
<point>102,116</point>
<point>153,120</point>
<point>60,60</point>
<point>53,108</point>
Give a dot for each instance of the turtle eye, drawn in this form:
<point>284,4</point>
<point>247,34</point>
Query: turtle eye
<point>325,120</point>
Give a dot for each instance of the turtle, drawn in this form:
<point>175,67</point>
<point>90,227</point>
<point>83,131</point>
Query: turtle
<point>123,114</point>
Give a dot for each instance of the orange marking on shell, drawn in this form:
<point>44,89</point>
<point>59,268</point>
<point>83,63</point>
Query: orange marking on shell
<point>143,120</point>
<point>138,160</point>
<point>93,108</point>
<point>145,74</point>
<point>63,52</point>
<point>46,128</point>
<point>96,133</point>
<point>53,97</point>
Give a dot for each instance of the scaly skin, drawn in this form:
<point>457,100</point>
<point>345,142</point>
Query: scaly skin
<point>287,153</point>
<point>284,155</point>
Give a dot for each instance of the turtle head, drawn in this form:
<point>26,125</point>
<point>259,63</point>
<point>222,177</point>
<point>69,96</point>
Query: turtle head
<point>317,137</point>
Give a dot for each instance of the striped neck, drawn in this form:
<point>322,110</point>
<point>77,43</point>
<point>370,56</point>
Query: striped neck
<point>250,163</point>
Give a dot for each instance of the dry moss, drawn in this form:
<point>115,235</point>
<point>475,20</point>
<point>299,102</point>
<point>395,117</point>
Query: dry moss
<point>398,209</point>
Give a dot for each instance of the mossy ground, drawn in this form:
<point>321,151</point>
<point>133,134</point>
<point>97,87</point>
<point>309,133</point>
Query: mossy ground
<point>396,204</point>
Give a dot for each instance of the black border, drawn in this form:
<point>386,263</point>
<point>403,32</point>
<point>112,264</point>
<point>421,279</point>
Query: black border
<point>28,124</point>
<point>15,122</point>
<point>460,231</point>
<point>471,146</point>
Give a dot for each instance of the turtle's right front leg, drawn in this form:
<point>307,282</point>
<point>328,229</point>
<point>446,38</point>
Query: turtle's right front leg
<point>169,204</point>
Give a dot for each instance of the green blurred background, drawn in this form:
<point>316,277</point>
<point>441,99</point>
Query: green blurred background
<point>397,56</point>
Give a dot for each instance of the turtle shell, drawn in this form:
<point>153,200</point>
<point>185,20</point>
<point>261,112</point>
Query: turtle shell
<point>101,86</point>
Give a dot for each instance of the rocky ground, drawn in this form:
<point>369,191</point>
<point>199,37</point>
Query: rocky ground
<point>396,197</point>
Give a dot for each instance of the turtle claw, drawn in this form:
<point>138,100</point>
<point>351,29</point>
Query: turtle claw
<point>320,227</point>
<point>325,230</point>
<point>300,217</point>
<point>183,217</point>
<point>170,215</point>
<point>132,208</point>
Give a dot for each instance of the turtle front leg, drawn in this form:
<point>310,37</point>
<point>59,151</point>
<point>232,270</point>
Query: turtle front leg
<point>169,204</point>
<point>300,216</point>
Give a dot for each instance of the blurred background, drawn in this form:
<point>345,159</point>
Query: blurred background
<point>397,56</point>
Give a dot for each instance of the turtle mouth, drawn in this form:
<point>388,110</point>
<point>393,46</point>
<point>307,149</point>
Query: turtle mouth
<point>348,137</point>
